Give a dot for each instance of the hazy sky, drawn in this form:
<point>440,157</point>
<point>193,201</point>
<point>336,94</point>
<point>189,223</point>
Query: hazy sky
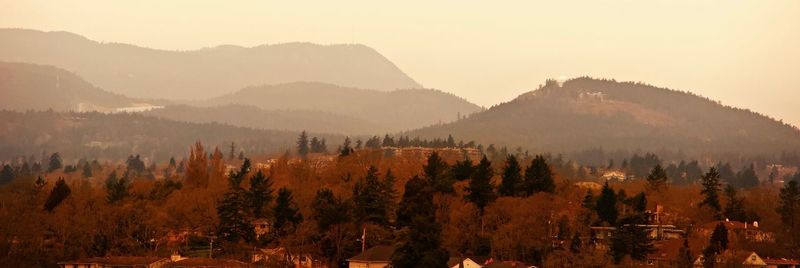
<point>744,53</point>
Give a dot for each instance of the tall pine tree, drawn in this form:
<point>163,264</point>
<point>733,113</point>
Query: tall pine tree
<point>511,183</point>
<point>286,214</point>
<point>480,190</point>
<point>711,187</point>
<point>539,177</point>
<point>60,192</point>
<point>234,209</point>
<point>420,244</point>
<point>260,194</point>
<point>606,205</point>
<point>371,201</point>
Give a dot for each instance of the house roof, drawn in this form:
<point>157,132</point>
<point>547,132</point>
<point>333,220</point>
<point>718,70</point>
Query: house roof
<point>782,261</point>
<point>117,260</point>
<point>375,254</point>
<point>477,259</point>
<point>730,225</point>
<point>208,263</point>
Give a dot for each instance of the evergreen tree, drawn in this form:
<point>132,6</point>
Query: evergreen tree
<point>606,205</point>
<point>329,210</point>
<point>639,203</point>
<point>539,177</point>
<point>302,144</point>
<point>87,171</point>
<point>436,172</point>
<point>631,239</point>
<point>512,184</point>
<point>234,209</point>
<point>55,162</point>
<point>405,210</point>
<point>480,190</point>
<point>462,170</point>
<point>710,190</point>
<point>789,207</point>
<point>747,178</point>
<point>197,167</point>
<point>575,244</point>
<point>685,258</point>
<point>420,244</point>
<point>389,193</point>
<point>116,188</point>
<point>7,174</point>
<point>719,238</point>
<point>371,202</point>
<point>286,214</point>
<point>735,208</point>
<point>345,150</point>
<point>657,179</point>
<point>260,194</point>
<point>588,200</point>
<point>60,192</point>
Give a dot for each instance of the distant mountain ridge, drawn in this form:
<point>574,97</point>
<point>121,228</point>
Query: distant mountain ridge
<point>29,86</point>
<point>197,74</point>
<point>254,117</point>
<point>591,113</point>
<point>396,110</point>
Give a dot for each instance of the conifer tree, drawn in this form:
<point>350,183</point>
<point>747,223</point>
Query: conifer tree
<point>369,196</point>
<point>87,171</point>
<point>539,177</point>
<point>345,150</point>
<point>234,209</point>
<point>420,244</point>
<point>116,188</point>
<point>260,194</point>
<point>631,238</point>
<point>436,172</point>
<point>7,174</point>
<point>710,190</point>
<point>511,183</point>
<point>685,258</point>
<point>719,238</point>
<point>286,214</point>
<point>606,205</point>
<point>734,210</point>
<point>55,162</point>
<point>789,207</point>
<point>328,209</point>
<point>480,190</point>
<point>462,170</point>
<point>60,192</point>
<point>302,144</point>
<point>657,179</point>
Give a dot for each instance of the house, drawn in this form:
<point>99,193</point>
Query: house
<point>614,175</point>
<point>745,259</point>
<point>467,262</point>
<point>279,255</point>
<point>116,262</point>
<point>782,263</point>
<point>737,231</point>
<point>375,257</point>
<point>207,263</point>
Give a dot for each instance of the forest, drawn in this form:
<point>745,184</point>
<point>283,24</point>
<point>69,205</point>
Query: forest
<point>429,203</point>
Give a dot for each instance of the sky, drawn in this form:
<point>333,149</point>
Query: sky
<point>742,53</point>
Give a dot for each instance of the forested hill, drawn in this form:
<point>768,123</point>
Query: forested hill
<point>197,74</point>
<point>29,86</point>
<point>590,113</point>
<point>396,110</point>
<point>254,117</point>
<point>115,136</point>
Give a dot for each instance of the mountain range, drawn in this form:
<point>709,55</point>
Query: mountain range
<point>198,74</point>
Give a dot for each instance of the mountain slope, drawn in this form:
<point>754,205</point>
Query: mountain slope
<point>197,74</point>
<point>397,110</point>
<point>253,117</point>
<point>28,86</point>
<point>589,113</point>
<point>115,136</point>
